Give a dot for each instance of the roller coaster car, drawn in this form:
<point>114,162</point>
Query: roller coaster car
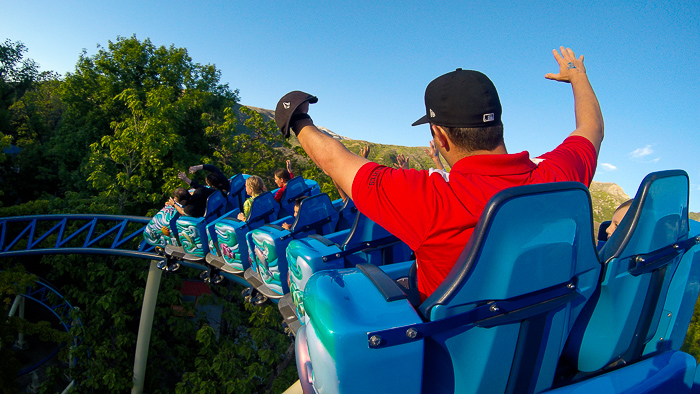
<point>268,271</point>
<point>228,250</point>
<point>158,233</point>
<point>190,232</point>
<point>524,309</point>
<point>364,242</point>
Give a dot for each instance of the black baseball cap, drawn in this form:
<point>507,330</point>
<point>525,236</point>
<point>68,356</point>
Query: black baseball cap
<point>286,106</point>
<point>462,98</point>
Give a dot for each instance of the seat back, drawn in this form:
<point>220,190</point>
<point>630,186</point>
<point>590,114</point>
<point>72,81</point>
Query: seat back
<point>296,187</point>
<point>640,260</point>
<point>237,194</point>
<point>602,233</point>
<point>216,206</point>
<point>263,210</point>
<point>497,323</point>
<point>316,216</point>
<point>530,244</point>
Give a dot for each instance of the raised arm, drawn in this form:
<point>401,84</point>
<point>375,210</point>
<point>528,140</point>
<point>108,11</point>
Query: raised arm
<point>329,154</point>
<point>435,156</point>
<point>589,119</point>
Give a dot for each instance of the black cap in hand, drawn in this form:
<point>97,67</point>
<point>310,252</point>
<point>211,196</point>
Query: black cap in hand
<point>286,107</point>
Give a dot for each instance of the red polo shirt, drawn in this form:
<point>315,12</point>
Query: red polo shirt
<point>436,218</point>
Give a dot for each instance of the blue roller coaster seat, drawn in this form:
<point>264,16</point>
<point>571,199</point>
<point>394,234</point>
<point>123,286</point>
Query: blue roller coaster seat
<point>227,247</point>
<point>269,243</point>
<point>649,282</point>
<point>364,242</point>
<point>668,372</point>
<point>237,194</point>
<point>497,323</point>
<point>190,232</point>
<point>296,187</point>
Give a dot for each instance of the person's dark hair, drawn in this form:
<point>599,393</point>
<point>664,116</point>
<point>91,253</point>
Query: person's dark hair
<point>283,174</point>
<point>181,195</point>
<point>473,139</point>
<point>297,202</point>
<point>217,182</point>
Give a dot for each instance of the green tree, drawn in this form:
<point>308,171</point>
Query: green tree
<point>16,77</point>
<point>166,90</point>
<point>251,147</point>
<point>35,117</point>
<point>125,165</point>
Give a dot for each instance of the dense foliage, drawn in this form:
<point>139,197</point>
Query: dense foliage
<point>110,137</point>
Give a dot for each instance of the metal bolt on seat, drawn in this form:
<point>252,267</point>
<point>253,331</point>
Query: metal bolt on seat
<point>412,333</point>
<point>375,340</point>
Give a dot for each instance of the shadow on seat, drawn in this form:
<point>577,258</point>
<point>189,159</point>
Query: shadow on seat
<point>635,312</point>
<point>497,323</point>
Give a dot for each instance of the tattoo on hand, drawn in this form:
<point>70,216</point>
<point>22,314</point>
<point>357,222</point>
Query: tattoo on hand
<point>570,66</point>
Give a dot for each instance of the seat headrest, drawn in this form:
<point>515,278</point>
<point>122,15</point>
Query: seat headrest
<point>657,217</point>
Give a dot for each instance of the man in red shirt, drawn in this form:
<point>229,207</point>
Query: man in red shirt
<point>436,215</point>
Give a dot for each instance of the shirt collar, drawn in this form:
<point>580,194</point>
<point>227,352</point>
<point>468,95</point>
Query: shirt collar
<point>508,164</point>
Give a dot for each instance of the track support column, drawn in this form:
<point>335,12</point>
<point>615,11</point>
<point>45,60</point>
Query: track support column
<point>146,323</point>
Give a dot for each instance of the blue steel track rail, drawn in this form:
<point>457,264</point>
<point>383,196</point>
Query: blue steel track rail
<point>114,235</point>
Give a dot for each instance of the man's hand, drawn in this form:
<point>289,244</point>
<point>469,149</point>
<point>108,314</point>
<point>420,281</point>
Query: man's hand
<point>364,151</point>
<point>401,162</point>
<point>569,65</point>
<point>289,166</point>
<point>292,111</point>
<point>286,226</point>
<point>432,152</point>
<point>183,177</point>
<point>435,156</point>
<point>194,169</point>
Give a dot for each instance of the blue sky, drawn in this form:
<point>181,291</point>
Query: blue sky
<point>369,63</point>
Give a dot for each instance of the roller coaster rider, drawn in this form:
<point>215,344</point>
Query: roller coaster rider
<point>464,113</point>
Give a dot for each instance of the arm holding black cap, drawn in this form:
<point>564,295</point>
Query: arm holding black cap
<point>589,119</point>
<point>329,154</point>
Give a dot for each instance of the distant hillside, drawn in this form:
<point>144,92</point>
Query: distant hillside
<point>605,196</point>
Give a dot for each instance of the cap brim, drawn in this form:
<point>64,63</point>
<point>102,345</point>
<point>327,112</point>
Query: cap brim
<point>422,120</point>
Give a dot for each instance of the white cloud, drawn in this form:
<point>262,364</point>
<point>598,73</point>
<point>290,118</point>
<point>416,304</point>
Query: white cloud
<point>641,152</point>
<point>654,160</point>
<point>608,167</point>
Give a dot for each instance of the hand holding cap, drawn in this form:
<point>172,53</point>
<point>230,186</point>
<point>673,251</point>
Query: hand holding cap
<point>286,107</point>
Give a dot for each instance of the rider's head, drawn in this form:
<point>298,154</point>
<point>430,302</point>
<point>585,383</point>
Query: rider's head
<point>181,195</point>
<point>465,104</point>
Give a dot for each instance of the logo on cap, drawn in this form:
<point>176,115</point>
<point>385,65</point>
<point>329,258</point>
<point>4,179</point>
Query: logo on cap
<point>432,114</point>
<point>489,117</point>
<point>286,105</point>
